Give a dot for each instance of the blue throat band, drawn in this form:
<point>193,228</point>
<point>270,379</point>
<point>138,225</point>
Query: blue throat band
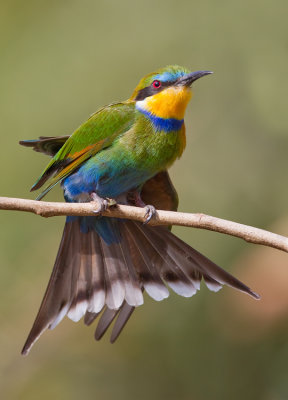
<point>163,124</point>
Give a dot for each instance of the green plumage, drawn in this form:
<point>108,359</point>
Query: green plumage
<point>104,264</point>
<point>117,138</point>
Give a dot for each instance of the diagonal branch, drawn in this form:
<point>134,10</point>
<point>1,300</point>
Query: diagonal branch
<point>202,221</point>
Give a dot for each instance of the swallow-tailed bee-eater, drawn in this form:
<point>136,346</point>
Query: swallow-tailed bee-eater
<point>103,264</point>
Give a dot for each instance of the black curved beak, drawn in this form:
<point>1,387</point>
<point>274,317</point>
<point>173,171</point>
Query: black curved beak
<point>188,79</point>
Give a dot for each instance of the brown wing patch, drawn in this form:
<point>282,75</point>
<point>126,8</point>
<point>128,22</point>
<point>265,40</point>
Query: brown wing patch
<point>160,192</point>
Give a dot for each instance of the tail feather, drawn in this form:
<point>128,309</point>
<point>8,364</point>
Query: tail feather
<point>211,284</point>
<point>90,317</point>
<point>133,291</point>
<point>205,266</point>
<point>170,268</point>
<point>81,278</point>
<point>105,321</point>
<point>98,287</point>
<point>115,290</point>
<point>122,318</point>
<point>123,315</point>
<point>57,298</point>
<point>144,262</point>
<point>91,276</point>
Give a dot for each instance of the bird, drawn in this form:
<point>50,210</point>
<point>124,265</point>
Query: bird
<point>122,152</point>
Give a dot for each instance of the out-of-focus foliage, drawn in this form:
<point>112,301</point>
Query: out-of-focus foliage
<point>60,61</point>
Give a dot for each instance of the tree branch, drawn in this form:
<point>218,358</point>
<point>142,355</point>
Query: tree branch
<point>202,221</point>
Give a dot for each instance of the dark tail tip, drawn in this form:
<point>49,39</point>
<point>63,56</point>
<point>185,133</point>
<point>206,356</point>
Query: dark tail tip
<point>27,143</point>
<point>255,295</point>
<point>26,349</point>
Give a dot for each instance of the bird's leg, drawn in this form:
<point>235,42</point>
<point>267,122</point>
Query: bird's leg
<point>135,198</point>
<point>103,203</point>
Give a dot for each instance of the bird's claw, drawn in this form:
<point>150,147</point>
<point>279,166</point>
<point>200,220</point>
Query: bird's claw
<point>103,204</point>
<point>150,213</point>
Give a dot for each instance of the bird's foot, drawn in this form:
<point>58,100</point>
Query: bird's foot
<point>134,198</point>
<point>150,213</point>
<point>102,203</point>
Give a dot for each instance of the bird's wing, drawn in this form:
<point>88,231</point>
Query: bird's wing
<point>97,133</point>
<point>160,192</point>
<point>49,145</point>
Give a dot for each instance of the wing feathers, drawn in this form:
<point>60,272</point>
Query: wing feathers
<point>49,145</point>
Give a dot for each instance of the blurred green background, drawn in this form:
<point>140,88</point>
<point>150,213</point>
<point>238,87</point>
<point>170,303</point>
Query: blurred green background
<point>60,61</point>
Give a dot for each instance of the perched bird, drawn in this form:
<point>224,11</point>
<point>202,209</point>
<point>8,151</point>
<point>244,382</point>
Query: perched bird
<point>105,264</point>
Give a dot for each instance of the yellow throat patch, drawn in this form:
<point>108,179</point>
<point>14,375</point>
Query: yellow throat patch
<point>169,103</point>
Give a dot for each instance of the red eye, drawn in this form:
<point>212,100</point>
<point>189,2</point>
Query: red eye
<point>156,84</point>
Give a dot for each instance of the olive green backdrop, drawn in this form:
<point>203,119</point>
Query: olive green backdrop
<point>60,61</point>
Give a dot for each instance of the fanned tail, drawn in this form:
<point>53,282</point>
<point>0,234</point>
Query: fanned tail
<point>91,277</point>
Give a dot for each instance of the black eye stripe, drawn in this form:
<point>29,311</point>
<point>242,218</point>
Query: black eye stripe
<point>150,90</point>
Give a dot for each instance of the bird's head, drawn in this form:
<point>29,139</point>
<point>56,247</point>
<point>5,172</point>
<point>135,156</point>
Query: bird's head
<point>166,92</point>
